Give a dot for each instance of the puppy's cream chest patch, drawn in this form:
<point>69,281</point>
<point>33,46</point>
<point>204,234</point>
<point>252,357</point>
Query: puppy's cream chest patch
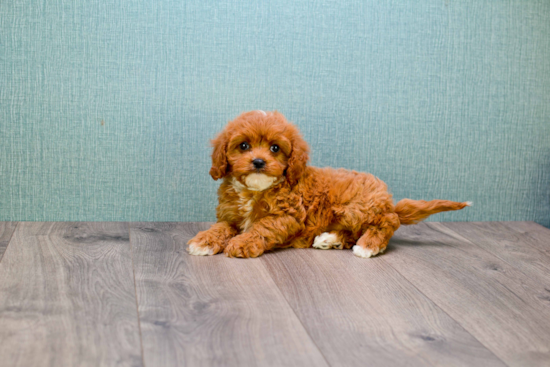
<point>246,210</point>
<point>246,204</point>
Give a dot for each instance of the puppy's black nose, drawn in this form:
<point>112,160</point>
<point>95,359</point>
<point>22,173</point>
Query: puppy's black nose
<point>258,163</point>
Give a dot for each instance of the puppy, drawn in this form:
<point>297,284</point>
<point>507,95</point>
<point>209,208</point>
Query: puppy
<point>270,198</point>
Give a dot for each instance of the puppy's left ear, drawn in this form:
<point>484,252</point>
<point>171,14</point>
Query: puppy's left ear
<point>298,157</point>
<point>219,156</point>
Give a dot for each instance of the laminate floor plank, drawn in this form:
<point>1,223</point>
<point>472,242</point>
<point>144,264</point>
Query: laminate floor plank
<point>447,294</point>
<point>67,297</point>
<point>510,245</point>
<point>533,234</point>
<point>495,302</point>
<point>213,310</point>
<point>6,231</point>
<point>361,312</point>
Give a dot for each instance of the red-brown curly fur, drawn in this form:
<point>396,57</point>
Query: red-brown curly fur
<point>302,202</point>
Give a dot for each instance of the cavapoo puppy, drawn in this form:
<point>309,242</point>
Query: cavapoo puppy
<point>271,198</point>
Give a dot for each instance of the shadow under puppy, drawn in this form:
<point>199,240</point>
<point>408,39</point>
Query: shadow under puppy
<point>270,198</point>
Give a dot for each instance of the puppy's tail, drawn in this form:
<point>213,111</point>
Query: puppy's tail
<point>414,211</point>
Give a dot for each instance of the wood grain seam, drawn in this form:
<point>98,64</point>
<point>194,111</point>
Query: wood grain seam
<point>496,255</point>
<point>9,241</point>
<point>294,312</point>
<point>445,312</point>
<point>517,231</point>
<point>135,292</point>
<point>507,224</point>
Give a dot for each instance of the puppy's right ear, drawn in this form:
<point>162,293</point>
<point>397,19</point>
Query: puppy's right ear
<point>219,156</point>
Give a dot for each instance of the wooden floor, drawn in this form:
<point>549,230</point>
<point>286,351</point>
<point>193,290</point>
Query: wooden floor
<point>128,294</point>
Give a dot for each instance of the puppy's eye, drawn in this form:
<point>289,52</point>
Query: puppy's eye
<point>244,146</point>
<point>274,148</point>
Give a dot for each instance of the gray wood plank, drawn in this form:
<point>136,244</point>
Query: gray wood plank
<point>506,242</point>
<point>6,231</point>
<point>533,234</point>
<point>211,311</point>
<point>492,300</point>
<point>67,297</point>
<point>362,312</point>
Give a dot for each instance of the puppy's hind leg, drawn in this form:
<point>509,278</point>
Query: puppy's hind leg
<point>375,239</point>
<point>333,240</point>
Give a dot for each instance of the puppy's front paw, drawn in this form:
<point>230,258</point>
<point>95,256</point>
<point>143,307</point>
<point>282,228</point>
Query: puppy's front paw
<point>245,245</point>
<point>204,244</point>
<point>196,249</point>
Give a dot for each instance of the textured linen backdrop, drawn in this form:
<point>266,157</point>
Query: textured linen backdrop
<point>107,106</point>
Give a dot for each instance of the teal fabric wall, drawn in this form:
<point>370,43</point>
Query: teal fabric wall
<point>107,106</point>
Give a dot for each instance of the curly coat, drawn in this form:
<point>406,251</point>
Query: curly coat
<point>286,203</point>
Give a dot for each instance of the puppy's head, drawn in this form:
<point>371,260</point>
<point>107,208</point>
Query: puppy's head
<point>259,149</point>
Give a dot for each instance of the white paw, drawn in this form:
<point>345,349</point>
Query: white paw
<point>326,241</point>
<point>363,252</point>
<point>194,249</point>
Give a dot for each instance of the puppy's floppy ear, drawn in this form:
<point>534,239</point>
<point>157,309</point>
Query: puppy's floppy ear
<point>298,157</point>
<point>219,156</point>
